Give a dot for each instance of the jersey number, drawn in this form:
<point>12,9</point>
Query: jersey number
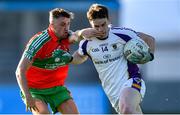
<point>104,48</point>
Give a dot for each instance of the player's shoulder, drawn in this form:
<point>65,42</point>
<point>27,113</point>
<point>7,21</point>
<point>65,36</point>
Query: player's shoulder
<point>122,30</point>
<point>39,37</point>
<point>41,34</point>
<point>83,42</point>
<point>87,43</point>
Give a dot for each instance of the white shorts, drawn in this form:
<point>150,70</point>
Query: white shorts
<point>136,83</point>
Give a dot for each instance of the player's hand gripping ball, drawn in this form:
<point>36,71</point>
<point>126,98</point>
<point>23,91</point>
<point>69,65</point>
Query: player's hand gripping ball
<point>137,51</point>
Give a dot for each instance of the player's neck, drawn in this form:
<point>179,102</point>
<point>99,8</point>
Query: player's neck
<point>103,38</point>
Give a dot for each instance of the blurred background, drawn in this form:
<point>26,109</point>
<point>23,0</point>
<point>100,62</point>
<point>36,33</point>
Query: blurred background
<point>20,20</point>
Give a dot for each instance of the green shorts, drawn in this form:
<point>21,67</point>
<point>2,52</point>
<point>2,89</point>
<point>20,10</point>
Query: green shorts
<point>53,96</point>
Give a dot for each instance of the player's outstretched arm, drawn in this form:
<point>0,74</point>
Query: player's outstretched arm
<point>22,82</point>
<point>88,33</point>
<point>83,34</point>
<point>78,59</point>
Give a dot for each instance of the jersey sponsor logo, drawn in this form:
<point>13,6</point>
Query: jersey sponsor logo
<point>103,49</point>
<point>101,62</point>
<point>107,56</point>
<point>95,50</point>
<point>107,60</point>
<point>57,59</point>
<point>116,46</point>
<point>53,66</point>
<point>114,59</point>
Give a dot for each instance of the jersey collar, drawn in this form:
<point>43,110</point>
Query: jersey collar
<point>52,34</point>
<point>102,38</point>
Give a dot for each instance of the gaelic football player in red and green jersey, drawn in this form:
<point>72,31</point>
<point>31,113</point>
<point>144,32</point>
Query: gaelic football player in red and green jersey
<point>43,68</point>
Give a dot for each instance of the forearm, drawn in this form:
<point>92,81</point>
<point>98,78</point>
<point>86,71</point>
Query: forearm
<point>23,85</point>
<point>77,59</point>
<point>76,36</point>
<point>21,78</point>
<point>79,35</point>
<point>149,40</point>
<point>87,33</point>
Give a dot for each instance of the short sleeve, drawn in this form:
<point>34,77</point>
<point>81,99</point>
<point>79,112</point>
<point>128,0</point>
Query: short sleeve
<point>125,33</point>
<point>83,47</point>
<point>35,44</point>
<point>29,52</point>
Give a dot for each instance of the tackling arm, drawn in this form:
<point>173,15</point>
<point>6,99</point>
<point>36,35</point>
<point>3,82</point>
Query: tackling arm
<point>78,59</point>
<point>83,34</point>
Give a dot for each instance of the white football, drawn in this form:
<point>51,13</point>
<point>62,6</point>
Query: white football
<point>135,46</point>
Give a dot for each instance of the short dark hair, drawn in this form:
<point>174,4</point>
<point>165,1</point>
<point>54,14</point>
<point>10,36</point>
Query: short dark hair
<point>59,12</point>
<point>97,11</point>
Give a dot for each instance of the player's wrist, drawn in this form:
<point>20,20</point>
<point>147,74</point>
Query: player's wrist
<point>27,95</point>
<point>79,34</point>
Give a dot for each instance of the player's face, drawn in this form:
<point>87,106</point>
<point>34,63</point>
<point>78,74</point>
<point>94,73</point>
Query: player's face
<point>101,25</point>
<point>61,26</point>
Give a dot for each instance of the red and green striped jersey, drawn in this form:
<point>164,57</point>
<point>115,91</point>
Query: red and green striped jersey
<point>41,46</point>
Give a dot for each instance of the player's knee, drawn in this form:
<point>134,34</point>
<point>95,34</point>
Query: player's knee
<point>42,111</point>
<point>127,109</point>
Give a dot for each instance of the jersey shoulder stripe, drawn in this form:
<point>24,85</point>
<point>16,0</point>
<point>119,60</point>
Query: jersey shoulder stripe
<point>83,47</point>
<point>35,44</point>
<point>124,33</point>
<point>39,39</point>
